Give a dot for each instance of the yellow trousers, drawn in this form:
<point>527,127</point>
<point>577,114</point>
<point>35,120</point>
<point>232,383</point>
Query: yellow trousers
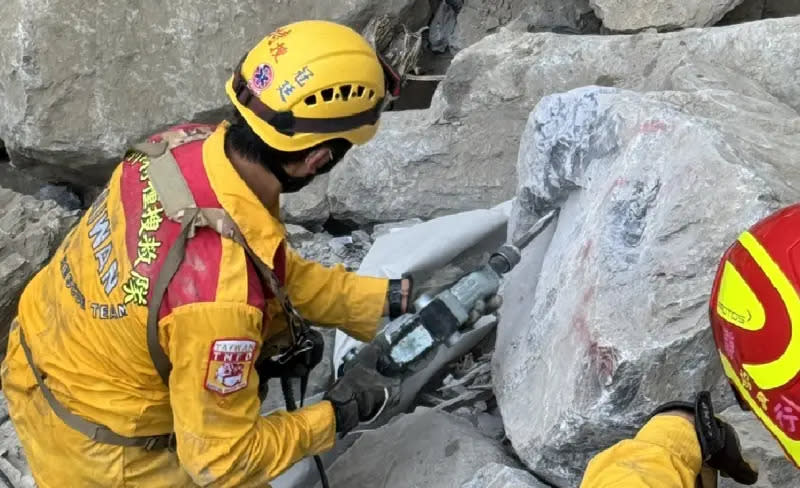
<point>62,457</point>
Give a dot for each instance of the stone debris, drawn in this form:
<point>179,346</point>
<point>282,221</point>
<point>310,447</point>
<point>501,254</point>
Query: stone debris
<point>325,249</point>
<point>466,390</point>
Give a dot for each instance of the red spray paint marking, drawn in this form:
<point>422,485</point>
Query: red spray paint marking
<point>604,359</point>
<point>585,250</point>
<point>653,126</point>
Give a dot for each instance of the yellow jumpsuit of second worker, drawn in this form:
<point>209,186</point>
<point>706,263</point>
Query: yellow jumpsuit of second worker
<point>664,454</point>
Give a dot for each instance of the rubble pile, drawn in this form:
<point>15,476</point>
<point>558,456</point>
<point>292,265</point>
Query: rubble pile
<point>467,391</point>
<point>348,250</point>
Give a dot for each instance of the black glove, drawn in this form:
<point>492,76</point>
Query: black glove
<point>718,440</point>
<point>362,394</point>
<point>295,362</point>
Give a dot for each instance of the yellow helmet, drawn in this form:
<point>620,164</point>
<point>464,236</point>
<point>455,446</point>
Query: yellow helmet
<point>311,82</point>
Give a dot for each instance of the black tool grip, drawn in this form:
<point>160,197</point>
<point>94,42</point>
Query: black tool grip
<point>440,322</point>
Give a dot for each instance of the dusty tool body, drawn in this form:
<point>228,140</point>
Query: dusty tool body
<point>405,343</point>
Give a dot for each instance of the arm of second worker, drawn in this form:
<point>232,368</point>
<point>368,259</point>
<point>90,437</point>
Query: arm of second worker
<point>336,297</point>
<point>221,439</point>
<point>664,454</point>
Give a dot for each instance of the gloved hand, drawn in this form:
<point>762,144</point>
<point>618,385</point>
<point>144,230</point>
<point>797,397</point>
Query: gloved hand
<point>293,362</point>
<point>362,394</point>
<point>482,308</point>
<point>719,442</point>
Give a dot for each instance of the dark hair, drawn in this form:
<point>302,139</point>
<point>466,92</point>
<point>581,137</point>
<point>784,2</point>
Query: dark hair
<point>241,139</point>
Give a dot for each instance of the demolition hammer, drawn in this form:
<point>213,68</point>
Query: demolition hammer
<point>407,343</point>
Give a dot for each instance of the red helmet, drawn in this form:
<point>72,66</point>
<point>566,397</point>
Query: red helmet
<point>755,316</point>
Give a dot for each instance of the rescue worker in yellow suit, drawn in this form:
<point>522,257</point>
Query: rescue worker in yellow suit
<point>754,312</point>
<point>84,386</point>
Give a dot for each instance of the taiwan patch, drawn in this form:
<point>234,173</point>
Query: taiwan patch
<point>262,78</point>
<point>229,364</point>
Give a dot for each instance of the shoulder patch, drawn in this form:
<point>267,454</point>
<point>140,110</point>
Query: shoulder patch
<point>230,362</point>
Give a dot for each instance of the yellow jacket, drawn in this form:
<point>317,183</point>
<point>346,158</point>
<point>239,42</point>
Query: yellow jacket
<point>664,454</point>
<point>84,318</point>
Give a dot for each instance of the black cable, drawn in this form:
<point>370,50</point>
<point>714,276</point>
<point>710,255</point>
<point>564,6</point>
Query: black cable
<point>323,477</point>
<point>291,405</point>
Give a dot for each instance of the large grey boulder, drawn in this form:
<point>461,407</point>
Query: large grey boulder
<point>750,10</point>
<point>633,15</point>
<point>478,18</point>
<point>509,72</point>
<point>30,231</point>
<point>81,79</point>
<point>308,207</point>
<point>426,448</point>
<point>775,471</point>
<point>652,188</point>
<point>494,475</point>
<point>460,154</point>
<point>781,8</point>
<point>443,25</point>
<point>419,167</point>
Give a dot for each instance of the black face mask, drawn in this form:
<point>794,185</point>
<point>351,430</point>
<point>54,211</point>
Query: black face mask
<point>293,184</point>
<point>289,184</point>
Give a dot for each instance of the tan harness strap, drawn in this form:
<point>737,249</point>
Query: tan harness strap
<point>152,149</point>
<point>168,269</point>
<point>96,432</point>
<point>294,320</point>
<point>222,222</point>
<point>170,185</point>
<point>179,205</point>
